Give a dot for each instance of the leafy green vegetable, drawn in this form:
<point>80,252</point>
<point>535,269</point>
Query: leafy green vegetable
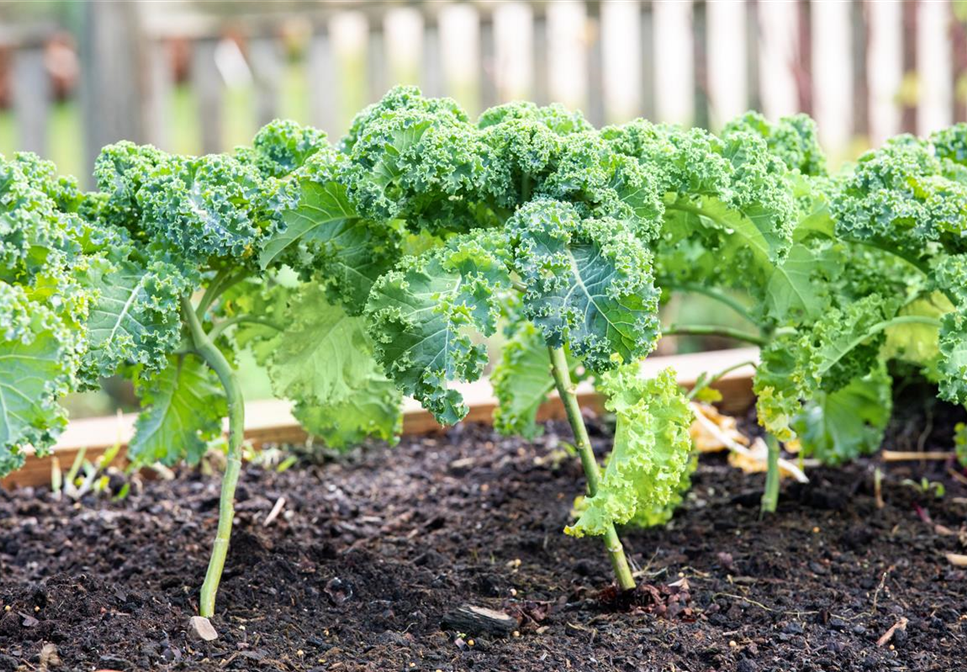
<point>651,450</point>
<point>835,427</point>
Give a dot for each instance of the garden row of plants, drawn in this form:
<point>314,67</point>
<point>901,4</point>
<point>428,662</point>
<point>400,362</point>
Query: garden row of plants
<point>366,270</point>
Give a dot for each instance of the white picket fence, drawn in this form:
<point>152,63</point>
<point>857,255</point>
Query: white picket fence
<point>865,69</point>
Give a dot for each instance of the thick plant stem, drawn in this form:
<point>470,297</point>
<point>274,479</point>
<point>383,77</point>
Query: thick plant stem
<point>562,378</point>
<point>212,356</point>
<point>770,498</point>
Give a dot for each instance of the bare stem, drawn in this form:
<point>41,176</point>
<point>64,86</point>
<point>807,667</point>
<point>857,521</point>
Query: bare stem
<point>562,378</point>
<point>212,356</point>
<point>770,497</point>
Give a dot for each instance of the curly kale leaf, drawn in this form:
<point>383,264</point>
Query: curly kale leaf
<point>281,147</point>
<point>183,409</point>
<point>556,118</point>
<point>835,427</point>
<point>659,514</point>
<point>38,358</point>
<point>845,343</point>
<point>120,170</point>
<point>799,289</point>
<point>651,449</point>
<point>794,140</point>
<point>422,312</point>
<point>408,154</point>
<point>953,356</point>
<point>898,197</point>
<point>135,318</point>
<point>951,143</point>
<point>372,411</point>
<point>324,237</point>
<point>212,206</point>
<point>522,381</point>
<point>588,283</point>
<point>779,384</point>
<point>323,355</point>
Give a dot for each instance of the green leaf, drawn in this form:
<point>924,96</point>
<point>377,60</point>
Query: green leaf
<point>797,289</point>
<point>324,355</point>
<point>589,283</point>
<point>37,363</point>
<point>839,426</point>
<point>136,317</point>
<point>953,356</point>
<point>917,343</point>
<point>325,236</point>
<point>373,410</point>
<point>748,237</point>
<point>651,449</point>
<point>659,514</point>
<point>183,409</point>
<point>779,384</point>
<point>522,380</point>
<point>423,313</point>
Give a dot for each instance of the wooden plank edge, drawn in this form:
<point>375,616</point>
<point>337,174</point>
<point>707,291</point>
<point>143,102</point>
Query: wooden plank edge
<point>271,421</point>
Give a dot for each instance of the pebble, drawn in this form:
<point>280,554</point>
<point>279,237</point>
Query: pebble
<point>200,628</point>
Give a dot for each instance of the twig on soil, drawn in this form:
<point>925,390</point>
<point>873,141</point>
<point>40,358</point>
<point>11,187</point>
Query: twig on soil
<point>888,635</point>
<point>882,584</point>
<point>957,560</point>
<point>915,455</point>
<point>786,465</point>
<point>274,513</point>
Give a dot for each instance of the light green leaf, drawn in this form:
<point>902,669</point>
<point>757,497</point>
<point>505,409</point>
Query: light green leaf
<point>423,314</point>
<point>323,355</point>
<point>36,368</point>
<point>373,410</point>
<point>835,427</point>
<point>522,380</point>
<point>136,317</point>
<point>651,449</point>
<point>796,288</point>
<point>183,409</point>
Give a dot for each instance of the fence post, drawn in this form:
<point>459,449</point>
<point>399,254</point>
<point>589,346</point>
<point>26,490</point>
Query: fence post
<point>488,55</point>
<point>431,59</point>
<point>31,98</point>
<point>700,56</point>
<point>265,61</point>
<point>112,88</point>
<point>323,96</point>
<point>376,57</point>
<point>206,82</point>
<point>595,64</point>
<point>647,102</point>
<point>159,93</point>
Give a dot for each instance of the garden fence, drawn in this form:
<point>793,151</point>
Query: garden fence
<point>689,61</point>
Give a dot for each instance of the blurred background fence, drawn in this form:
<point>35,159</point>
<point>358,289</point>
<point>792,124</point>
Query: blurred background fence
<point>202,76</point>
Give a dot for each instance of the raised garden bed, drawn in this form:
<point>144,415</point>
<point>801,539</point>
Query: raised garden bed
<point>371,553</point>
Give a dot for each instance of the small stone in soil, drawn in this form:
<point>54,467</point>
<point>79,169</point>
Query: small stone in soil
<point>479,620</point>
<point>200,628</point>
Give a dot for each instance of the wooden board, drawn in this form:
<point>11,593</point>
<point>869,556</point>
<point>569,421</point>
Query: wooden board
<point>271,421</point>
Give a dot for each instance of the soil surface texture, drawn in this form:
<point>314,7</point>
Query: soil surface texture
<point>370,554</point>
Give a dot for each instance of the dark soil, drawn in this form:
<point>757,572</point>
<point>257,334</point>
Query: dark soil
<point>372,552</point>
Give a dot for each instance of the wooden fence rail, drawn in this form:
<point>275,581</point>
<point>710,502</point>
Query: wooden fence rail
<point>864,69</point>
